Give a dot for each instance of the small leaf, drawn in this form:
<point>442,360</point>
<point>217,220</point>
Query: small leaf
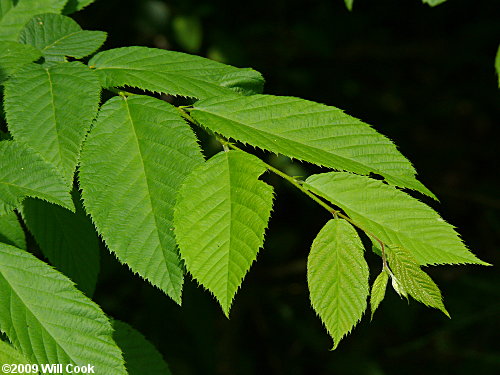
<point>433,3</point>
<point>13,56</point>
<point>141,357</point>
<point>57,36</point>
<point>48,320</point>
<point>11,231</point>
<point>76,5</point>
<point>414,281</point>
<point>24,173</point>
<point>188,32</point>
<point>220,219</point>
<point>497,65</point>
<point>132,164</point>
<point>349,3</point>
<point>378,290</point>
<point>9,355</point>
<point>337,276</point>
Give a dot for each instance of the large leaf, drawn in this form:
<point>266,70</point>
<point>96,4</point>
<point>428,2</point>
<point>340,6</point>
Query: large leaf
<point>67,239</point>
<point>48,320</point>
<point>413,280</point>
<point>132,164</point>
<point>57,36</point>
<point>9,355</point>
<point>141,357</point>
<point>14,56</point>
<point>378,290</point>
<point>24,173</point>
<point>394,217</point>
<point>51,109</point>
<point>220,219</point>
<point>307,131</point>
<point>16,17</point>
<point>337,276</point>
<point>11,231</point>
<point>172,73</point>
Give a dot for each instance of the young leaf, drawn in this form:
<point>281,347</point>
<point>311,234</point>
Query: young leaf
<point>497,65</point>
<point>172,73</point>
<point>414,281</point>
<point>57,36</point>
<point>433,3</point>
<point>9,355</point>
<point>48,320</point>
<point>51,109</point>
<point>11,231</point>
<point>220,219</point>
<point>307,131</point>
<point>24,173</point>
<point>132,165</point>
<point>337,276</point>
<point>378,290</point>
<point>67,239</point>
<point>14,56</point>
<point>141,357</point>
<point>394,217</point>
<point>348,4</point>
<point>76,5</point>
<point>16,17</point>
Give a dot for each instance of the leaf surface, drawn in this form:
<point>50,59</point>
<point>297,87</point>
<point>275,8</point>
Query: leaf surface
<point>76,5</point>
<point>220,219</point>
<point>349,3</point>
<point>337,276</point>
<point>132,165</point>
<point>9,355</point>
<point>14,56</point>
<point>172,73</point>
<point>378,290</point>
<point>11,231</point>
<point>307,131</point>
<point>48,320</point>
<point>394,217</point>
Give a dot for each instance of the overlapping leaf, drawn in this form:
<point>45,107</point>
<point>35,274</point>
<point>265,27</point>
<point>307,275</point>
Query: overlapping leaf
<point>132,164</point>
<point>220,219</point>
<point>57,36</point>
<point>141,357</point>
<point>76,5</point>
<point>48,320</point>
<point>394,217</point>
<point>378,290</point>
<point>5,6</point>
<point>337,276</point>
<point>14,56</point>
<point>23,173</point>
<point>172,73</point>
<point>11,232</point>
<point>16,17</point>
<point>51,109</point>
<point>67,239</point>
<point>9,355</point>
<point>307,131</point>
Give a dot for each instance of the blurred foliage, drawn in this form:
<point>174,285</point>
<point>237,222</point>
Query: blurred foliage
<point>425,77</point>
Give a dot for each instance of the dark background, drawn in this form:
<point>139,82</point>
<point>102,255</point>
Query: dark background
<point>423,76</point>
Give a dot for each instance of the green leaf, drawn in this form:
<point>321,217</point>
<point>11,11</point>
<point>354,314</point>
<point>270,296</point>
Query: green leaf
<point>220,219</point>
<point>141,357</point>
<point>307,131</point>
<point>413,280</point>
<point>349,3</point>
<point>14,56</point>
<point>394,217</point>
<point>48,320</point>
<point>172,73</point>
<point>51,109</point>
<point>11,231</point>
<point>337,276</point>
<point>16,17</point>
<point>5,6</point>
<point>497,65</point>
<point>378,290</point>
<point>76,5</point>
<point>67,239</point>
<point>433,3</point>
<point>9,355</point>
<point>24,173</point>
<point>188,32</point>
<point>57,36</point>
<point>132,165</point>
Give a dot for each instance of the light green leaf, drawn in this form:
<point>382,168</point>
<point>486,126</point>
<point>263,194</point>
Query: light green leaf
<point>497,65</point>
<point>394,217</point>
<point>13,56</point>
<point>9,355</point>
<point>172,73</point>
<point>337,276</point>
<point>24,173</point>
<point>14,20</point>
<point>67,239</point>
<point>413,280</point>
<point>220,219</point>
<point>433,3</point>
<point>349,3</point>
<point>48,320</point>
<point>188,32</point>
<point>141,357</point>
<point>132,165</point>
<point>5,6</point>
<point>307,131</point>
<point>378,290</point>
<point>76,5</point>
<point>11,231</point>
<point>51,109</point>
<point>57,36</point>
